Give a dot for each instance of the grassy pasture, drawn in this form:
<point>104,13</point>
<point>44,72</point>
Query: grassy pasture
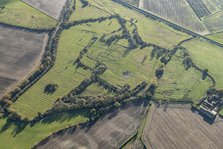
<point>63,73</point>
<point>95,90</point>
<point>217,37</point>
<point>181,84</point>
<point>88,11</point>
<point>132,63</point>
<point>207,55</point>
<point>151,31</point>
<point>11,138</point>
<point>72,42</point>
<point>18,13</point>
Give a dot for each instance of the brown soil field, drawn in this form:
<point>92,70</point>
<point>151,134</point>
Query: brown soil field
<point>176,11</point>
<point>176,126</point>
<point>109,132</point>
<point>50,7</point>
<point>20,51</point>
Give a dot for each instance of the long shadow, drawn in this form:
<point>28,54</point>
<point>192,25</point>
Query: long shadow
<point>5,2</point>
<point>61,117</point>
<point>205,117</point>
<point>64,116</point>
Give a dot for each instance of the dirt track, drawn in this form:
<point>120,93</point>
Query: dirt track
<point>179,127</point>
<point>20,51</point>
<point>107,133</point>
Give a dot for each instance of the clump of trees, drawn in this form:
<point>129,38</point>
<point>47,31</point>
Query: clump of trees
<point>204,74</point>
<point>159,72</point>
<point>50,88</point>
<point>187,62</point>
<point>84,3</point>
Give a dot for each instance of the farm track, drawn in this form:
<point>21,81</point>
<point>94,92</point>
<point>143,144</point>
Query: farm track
<point>174,26</point>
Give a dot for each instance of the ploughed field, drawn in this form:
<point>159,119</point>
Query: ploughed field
<point>109,132</point>
<point>177,11</point>
<point>52,8</point>
<point>176,126</point>
<point>20,51</point>
<point>201,16</point>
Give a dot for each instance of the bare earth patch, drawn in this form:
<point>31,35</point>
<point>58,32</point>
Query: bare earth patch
<point>20,51</point>
<point>50,7</point>
<point>178,127</point>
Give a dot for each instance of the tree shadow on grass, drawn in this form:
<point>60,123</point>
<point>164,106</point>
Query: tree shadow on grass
<point>19,126</point>
<point>64,116</point>
<point>6,2</point>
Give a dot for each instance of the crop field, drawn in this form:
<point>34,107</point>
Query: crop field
<point>108,132</point>
<point>18,13</point>
<point>52,8</point>
<point>199,8</point>
<point>20,51</point>
<point>207,56</point>
<point>201,16</point>
<point>176,126</point>
<point>181,84</point>
<point>21,137</point>
<point>213,6</point>
<point>177,11</point>
<point>215,22</point>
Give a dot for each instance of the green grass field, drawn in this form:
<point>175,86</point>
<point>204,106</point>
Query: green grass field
<point>217,37</point>
<point>72,42</point>
<point>207,55</point>
<point>151,31</point>
<point>11,138</point>
<point>181,84</point>
<point>89,12</point>
<point>63,73</point>
<point>18,13</point>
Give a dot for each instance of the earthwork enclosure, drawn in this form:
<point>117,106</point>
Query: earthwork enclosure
<point>19,52</point>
